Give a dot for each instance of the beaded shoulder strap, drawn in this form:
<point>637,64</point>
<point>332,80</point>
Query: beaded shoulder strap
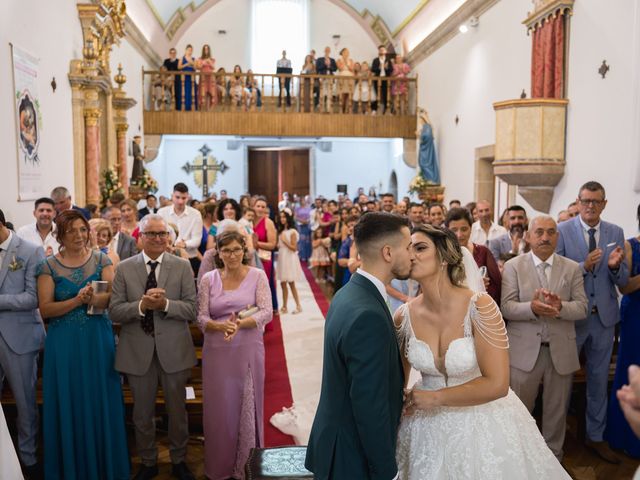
<point>487,322</point>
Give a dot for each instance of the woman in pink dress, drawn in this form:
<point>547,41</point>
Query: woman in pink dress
<point>265,230</point>
<point>400,88</point>
<point>208,90</point>
<point>232,357</point>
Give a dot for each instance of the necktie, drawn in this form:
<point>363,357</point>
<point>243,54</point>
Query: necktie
<point>592,239</point>
<point>542,275</point>
<point>147,321</point>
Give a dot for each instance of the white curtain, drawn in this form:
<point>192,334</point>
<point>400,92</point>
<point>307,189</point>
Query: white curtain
<point>279,25</point>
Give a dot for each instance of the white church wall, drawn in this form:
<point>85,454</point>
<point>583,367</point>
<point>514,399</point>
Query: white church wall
<point>328,19</point>
<point>463,78</point>
<point>34,34</point>
<point>492,63</point>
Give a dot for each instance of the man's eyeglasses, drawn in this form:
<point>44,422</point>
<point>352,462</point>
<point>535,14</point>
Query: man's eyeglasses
<point>152,235</point>
<point>596,203</point>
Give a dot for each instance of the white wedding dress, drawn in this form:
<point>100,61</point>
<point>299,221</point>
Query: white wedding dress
<point>495,440</point>
<point>9,465</point>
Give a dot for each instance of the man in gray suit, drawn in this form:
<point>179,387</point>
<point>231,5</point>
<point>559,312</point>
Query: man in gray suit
<point>154,298</point>
<point>542,296</point>
<point>123,244</point>
<point>598,247</point>
<point>21,335</point>
<point>513,241</point>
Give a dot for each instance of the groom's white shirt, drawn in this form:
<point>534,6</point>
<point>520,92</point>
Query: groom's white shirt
<point>383,292</point>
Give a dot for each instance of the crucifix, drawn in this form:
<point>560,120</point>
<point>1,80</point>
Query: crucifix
<point>205,168</point>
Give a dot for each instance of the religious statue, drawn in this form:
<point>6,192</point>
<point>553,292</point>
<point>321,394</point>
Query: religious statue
<point>138,160</point>
<point>427,159</point>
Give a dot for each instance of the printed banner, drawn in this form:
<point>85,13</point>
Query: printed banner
<point>28,123</point>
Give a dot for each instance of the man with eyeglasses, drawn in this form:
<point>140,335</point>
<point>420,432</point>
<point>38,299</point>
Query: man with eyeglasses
<point>598,247</point>
<point>124,245</point>
<point>154,298</point>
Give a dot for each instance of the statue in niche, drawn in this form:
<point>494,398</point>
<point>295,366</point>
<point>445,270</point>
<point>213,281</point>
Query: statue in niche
<point>427,158</point>
<point>138,160</point>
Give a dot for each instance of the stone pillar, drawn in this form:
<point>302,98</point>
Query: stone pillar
<point>92,154</point>
<point>121,133</point>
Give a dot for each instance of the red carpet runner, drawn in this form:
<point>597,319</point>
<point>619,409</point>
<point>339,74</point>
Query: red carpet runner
<point>277,388</point>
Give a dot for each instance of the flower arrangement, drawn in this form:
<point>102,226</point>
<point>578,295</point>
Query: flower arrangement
<point>147,182</point>
<point>419,184</point>
<point>109,184</point>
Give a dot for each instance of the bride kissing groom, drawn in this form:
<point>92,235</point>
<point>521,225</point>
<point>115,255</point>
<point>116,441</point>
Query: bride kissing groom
<point>461,421</point>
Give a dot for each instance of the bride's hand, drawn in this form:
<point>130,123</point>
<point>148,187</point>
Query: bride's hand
<point>420,400</point>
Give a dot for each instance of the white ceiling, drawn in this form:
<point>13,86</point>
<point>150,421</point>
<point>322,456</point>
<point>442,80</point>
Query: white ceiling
<point>392,12</point>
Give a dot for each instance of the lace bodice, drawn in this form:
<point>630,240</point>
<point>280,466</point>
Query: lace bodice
<point>459,364</point>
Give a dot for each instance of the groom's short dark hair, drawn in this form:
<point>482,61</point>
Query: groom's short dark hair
<point>376,226</point>
<point>3,221</point>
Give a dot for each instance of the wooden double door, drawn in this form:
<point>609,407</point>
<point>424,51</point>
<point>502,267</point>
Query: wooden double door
<point>275,171</point>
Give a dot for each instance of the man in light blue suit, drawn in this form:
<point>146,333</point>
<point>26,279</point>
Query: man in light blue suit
<point>598,247</point>
<point>21,335</point>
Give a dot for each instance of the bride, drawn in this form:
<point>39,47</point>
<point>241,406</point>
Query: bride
<point>9,465</point>
<point>461,421</point>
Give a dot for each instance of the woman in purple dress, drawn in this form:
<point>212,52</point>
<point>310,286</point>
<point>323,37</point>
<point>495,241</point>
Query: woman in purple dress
<point>232,357</point>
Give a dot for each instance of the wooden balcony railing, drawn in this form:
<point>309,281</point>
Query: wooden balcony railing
<point>279,104</point>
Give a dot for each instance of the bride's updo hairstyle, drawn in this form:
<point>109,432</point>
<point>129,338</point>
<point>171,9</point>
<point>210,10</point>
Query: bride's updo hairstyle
<point>449,251</point>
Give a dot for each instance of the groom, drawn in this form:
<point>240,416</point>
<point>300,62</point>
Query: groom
<point>355,428</point>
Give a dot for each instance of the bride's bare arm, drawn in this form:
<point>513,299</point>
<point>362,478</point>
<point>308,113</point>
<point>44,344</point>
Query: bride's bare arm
<point>492,352</point>
<point>399,322</point>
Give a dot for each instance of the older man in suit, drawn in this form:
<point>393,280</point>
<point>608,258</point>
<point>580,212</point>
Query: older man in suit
<point>154,298</point>
<point>598,247</point>
<point>543,296</point>
<point>21,336</point>
<point>124,245</point>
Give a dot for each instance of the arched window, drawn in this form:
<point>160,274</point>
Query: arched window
<point>279,25</point>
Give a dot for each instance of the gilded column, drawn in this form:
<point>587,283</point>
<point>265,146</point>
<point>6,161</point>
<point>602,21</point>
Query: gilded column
<point>121,133</point>
<point>92,154</point>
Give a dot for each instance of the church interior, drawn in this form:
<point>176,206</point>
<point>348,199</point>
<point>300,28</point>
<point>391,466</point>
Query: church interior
<point>301,104</point>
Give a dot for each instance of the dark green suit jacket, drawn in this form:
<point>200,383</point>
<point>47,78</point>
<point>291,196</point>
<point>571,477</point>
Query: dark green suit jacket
<point>355,429</point>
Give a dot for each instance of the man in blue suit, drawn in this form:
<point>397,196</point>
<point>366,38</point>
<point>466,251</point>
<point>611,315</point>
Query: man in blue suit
<point>356,424</point>
<point>598,247</point>
<point>21,335</point>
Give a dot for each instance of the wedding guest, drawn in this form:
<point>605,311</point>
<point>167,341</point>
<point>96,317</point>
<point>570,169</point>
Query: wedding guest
<point>400,88</point>
<point>436,214</point>
<point>344,252</point>
<point>618,433</point>
<point>188,221</point>
<point>542,298</point>
<point>306,90</point>
<point>150,207</point>
<point>84,432</point>
<point>236,88</point>
<point>266,234</point>
<point>288,269</point>
<point>154,299</point>
<point>21,338</point>
<point>326,66</point>
<point>563,216</point>
<point>459,221</point>
<point>283,66</point>
<point>129,210</point>
<point>573,209</point>
<point>401,208</point>
<point>171,64</point>
<point>62,201</point>
<point>598,247</point>
<point>187,64</point>
<point>388,202</point>
<point>42,231</point>
<point>320,259</point>
<point>484,229</point>
<point>221,85</point>
<point>364,93</point>
<point>345,87</point>
<point>162,85</point>
<point>124,245</point>
<point>454,204</point>
<point>416,214</point>
<point>232,358</point>
<point>208,92</point>
<point>254,94</point>
<point>100,237</point>
<point>382,68</point>
<point>473,210</point>
<point>303,221</point>
<point>513,241</point>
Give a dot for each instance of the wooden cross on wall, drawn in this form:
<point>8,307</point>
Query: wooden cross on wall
<point>209,164</point>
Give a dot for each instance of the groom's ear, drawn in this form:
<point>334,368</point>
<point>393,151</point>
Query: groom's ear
<point>386,252</point>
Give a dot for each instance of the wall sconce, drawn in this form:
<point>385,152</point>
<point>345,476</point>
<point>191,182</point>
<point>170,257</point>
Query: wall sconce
<point>336,40</point>
<point>472,22</point>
